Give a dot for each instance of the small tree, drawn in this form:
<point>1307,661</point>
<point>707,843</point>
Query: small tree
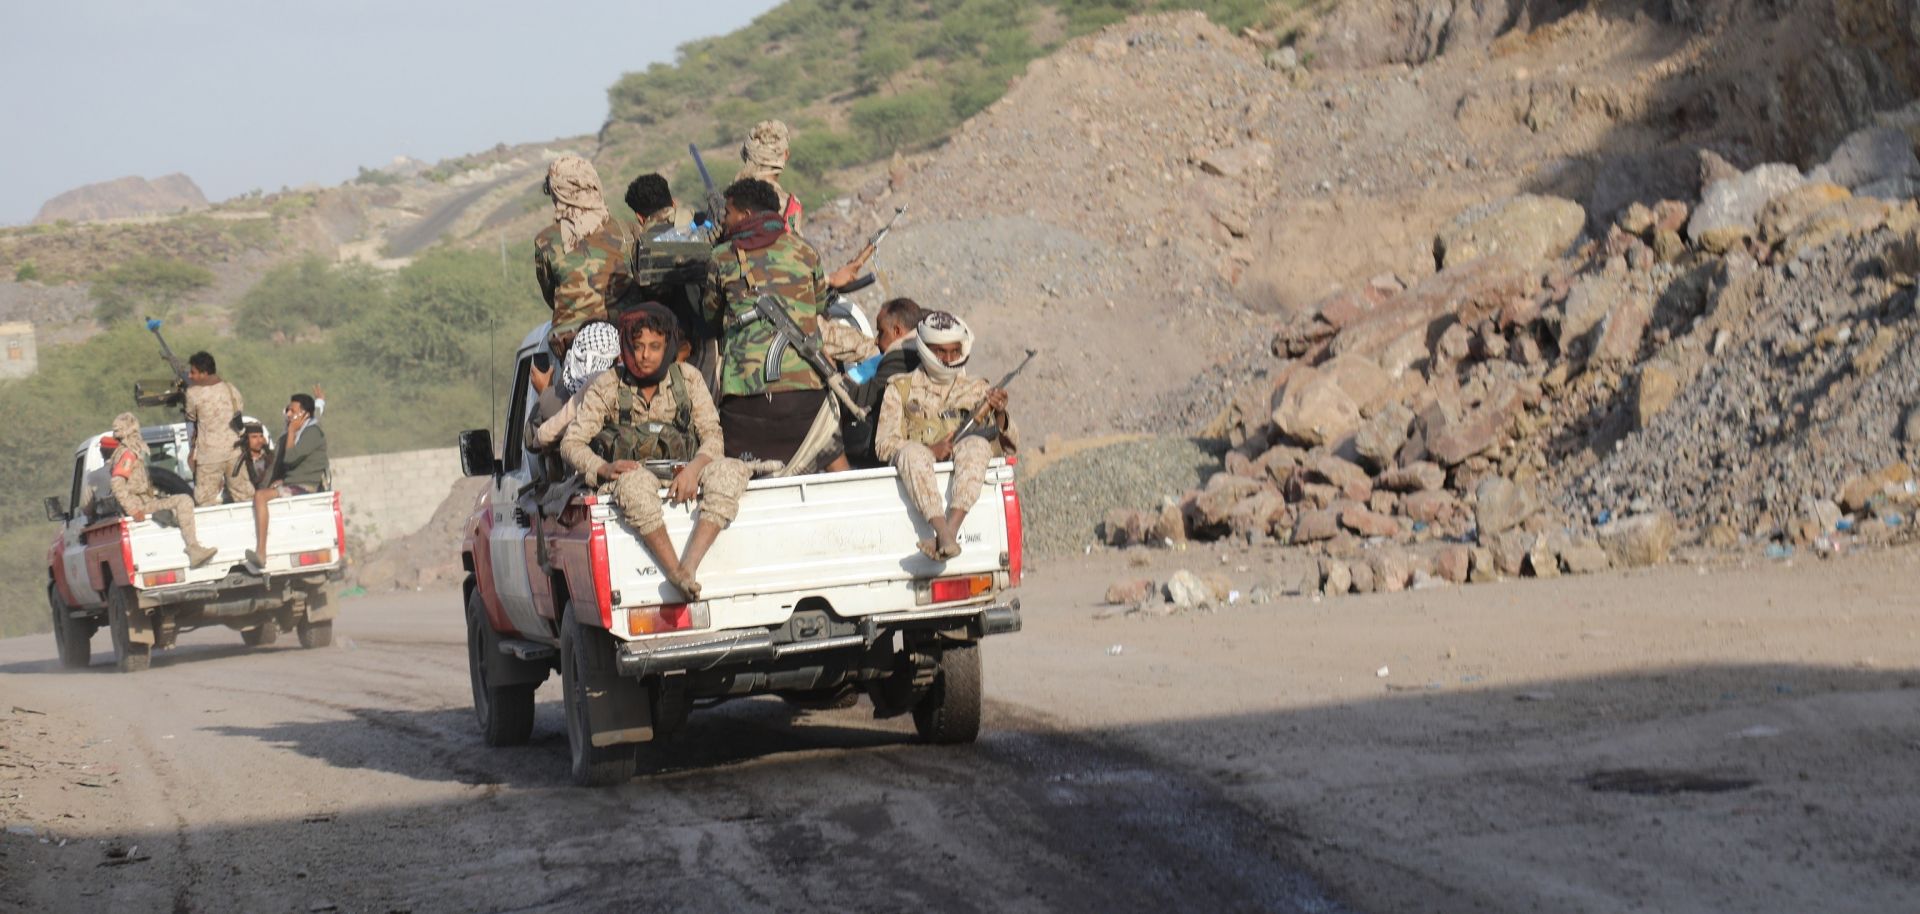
<point>145,286</point>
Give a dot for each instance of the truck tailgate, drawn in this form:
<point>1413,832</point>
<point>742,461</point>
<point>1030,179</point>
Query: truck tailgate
<point>298,530</point>
<point>849,538</point>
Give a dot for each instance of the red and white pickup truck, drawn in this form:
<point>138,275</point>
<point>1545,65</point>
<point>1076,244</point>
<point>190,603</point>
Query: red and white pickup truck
<point>815,593</point>
<point>105,569</point>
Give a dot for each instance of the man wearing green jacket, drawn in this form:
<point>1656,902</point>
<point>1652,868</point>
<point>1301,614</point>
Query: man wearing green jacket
<point>299,468</point>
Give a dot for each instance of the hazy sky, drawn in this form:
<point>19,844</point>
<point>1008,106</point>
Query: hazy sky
<point>240,94</point>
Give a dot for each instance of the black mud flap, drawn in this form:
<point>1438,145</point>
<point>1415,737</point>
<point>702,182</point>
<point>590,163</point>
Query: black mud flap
<point>619,710</point>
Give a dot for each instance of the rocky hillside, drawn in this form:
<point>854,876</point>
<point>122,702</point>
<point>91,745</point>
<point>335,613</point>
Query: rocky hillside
<point>124,198</point>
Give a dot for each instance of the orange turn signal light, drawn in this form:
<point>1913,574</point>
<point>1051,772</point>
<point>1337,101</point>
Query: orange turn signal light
<point>965,587</point>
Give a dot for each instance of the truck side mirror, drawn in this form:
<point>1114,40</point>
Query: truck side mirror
<point>476,453</point>
<point>55,512</point>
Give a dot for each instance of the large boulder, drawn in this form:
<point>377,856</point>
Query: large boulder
<point>1638,541</point>
<point>1500,504</point>
<point>1730,208</point>
<point>1313,410</point>
<point>1382,437</point>
<point>1876,154</point>
<point>1526,230</point>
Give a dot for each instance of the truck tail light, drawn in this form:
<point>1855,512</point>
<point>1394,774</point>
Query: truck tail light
<point>602,573</point>
<point>317,557</point>
<point>1010,500</point>
<point>160,578</point>
<point>339,526</point>
<point>667,617</point>
<point>126,549</point>
<point>948,590</point>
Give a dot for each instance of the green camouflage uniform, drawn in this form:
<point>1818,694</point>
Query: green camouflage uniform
<point>580,284</point>
<point>789,268</point>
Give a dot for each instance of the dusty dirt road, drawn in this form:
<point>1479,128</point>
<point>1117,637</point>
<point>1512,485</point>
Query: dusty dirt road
<point>1688,739</point>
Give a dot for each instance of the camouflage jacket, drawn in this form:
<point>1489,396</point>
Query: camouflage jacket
<point>916,409</point>
<point>210,410</point>
<point>744,268</point>
<point>579,284</point>
<point>599,405</point>
<point>131,485</point>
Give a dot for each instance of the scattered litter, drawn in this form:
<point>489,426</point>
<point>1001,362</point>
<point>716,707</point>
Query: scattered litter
<point>22,710</point>
<point>1757,731</point>
<point>1233,596</point>
<point>354,591</point>
<point>25,831</point>
<point>1381,672</point>
<point>323,817</point>
<point>1601,517</point>
<point>1779,551</point>
<point>1471,679</point>
<point>1115,650</point>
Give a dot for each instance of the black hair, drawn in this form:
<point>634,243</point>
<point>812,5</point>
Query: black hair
<point>904,313</point>
<point>305,401</point>
<point>752,195</point>
<point>656,318</point>
<point>649,194</point>
<point>202,360</point>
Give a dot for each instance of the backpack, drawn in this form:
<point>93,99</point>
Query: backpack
<point>625,439</point>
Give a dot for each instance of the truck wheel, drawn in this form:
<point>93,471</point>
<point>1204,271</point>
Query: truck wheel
<point>505,713</point>
<point>261,635</point>
<point>129,655</point>
<point>315,634</point>
<point>73,637</point>
<point>588,652</point>
<point>949,712</point>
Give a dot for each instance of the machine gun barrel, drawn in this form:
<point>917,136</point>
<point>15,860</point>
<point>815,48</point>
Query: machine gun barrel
<point>715,205</point>
<point>163,393</point>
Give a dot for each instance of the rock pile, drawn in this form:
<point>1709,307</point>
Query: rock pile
<point>1736,370</point>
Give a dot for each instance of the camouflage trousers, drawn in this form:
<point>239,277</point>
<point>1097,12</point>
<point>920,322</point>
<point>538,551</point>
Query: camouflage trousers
<point>915,465</point>
<point>180,505</point>
<point>212,478</point>
<point>637,495</point>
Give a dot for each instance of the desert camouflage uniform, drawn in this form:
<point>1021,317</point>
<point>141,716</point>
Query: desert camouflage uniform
<point>580,284</point>
<point>134,490</point>
<point>788,268</point>
<point>637,493</point>
<point>216,446</point>
<point>916,412</point>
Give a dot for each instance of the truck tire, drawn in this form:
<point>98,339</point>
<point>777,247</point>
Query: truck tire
<point>315,634</point>
<point>505,713</point>
<point>129,656</point>
<point>949,712</point>
<point>73,637</point>
<point>261,635</point>
<point>587,652</point>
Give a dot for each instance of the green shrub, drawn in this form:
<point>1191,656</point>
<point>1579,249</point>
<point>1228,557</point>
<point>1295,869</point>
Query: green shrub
<point>145,286</point>
<point>310,294</point>
<point>26,272</point>
<point>906,119</point>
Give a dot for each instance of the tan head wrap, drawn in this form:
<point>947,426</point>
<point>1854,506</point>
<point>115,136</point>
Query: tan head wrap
<point>765,150</point>
<point>126,428</point>
<point>577,204</point>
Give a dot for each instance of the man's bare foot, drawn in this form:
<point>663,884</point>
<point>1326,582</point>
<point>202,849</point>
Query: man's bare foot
<point>949,545</point>
<point>930,547</point>
<point>683,581</point>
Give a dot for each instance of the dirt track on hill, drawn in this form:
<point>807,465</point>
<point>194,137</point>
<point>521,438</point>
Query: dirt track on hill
<point>1690,739</point>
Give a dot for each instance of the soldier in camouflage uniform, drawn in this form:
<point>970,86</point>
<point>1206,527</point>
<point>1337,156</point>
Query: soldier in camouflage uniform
<point>580,260</point>
<point>764,158</point>
<point>662,406</point>
<point>134,490</point>
<point>920,413</point>
<point>213,408</point>
<point>769,396</point>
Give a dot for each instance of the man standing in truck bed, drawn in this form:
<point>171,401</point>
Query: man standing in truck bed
<point>769,396</point>
<point>580,260</point>
<point>213,411</point>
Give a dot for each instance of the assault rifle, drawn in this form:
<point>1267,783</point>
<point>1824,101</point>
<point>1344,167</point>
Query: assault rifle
<point>978,418</point>
<point>859,260</point>
<point>769,309</point>
<point>163,393</point>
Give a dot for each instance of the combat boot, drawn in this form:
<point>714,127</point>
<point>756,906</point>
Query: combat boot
<point>199,555</point>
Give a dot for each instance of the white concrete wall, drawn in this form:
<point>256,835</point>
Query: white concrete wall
<point>391,495</point>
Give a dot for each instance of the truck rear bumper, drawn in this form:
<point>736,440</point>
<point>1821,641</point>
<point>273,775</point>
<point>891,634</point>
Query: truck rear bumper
<point>642,658</point>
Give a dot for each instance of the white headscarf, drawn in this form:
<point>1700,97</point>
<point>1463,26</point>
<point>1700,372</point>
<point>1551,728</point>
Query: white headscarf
<point>593,350</point>
<point>941,327</point>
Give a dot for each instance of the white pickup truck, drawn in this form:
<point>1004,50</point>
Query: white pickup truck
<point>815,593</point>
<point>105,569</point>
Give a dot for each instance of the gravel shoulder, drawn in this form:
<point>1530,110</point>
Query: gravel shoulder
<point>1233,760</point>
